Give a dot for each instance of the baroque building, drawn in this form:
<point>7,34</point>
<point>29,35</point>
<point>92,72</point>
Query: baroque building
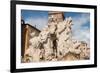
<point>26,29</point>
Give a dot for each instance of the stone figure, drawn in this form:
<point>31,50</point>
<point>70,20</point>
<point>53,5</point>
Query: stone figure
<point>47,43</point>
<point>35,41</point>
<point>85,51</point>
<point>52,27</point>
<point>75,47</point>
<point>63,34</point>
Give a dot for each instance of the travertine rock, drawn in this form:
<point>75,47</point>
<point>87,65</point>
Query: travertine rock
<point>55,43</point>
<point>47,43</point>
<point>35,41</point>
<point>33,54</point>
<point>63,34</point>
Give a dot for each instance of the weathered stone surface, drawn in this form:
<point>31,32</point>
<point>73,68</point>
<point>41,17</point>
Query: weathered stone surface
<point>55,43</point>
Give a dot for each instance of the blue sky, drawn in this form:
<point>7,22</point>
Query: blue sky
<point>81,21</point>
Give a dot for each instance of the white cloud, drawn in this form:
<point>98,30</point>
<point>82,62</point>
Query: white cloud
<point>81,32</point>
<point>38,22</point>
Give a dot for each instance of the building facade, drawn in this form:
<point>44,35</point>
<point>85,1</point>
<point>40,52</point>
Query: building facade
<point>26,30</point>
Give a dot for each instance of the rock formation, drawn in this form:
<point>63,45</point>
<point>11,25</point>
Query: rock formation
<point>55,43</point>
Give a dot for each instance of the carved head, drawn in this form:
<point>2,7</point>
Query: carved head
<point>44,35</point>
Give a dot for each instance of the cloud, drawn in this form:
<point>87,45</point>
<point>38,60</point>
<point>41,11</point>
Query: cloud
<point>38,22</point>
<point>81,29</point>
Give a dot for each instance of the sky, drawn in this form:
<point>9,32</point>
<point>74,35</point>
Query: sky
<point>80,27</point>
